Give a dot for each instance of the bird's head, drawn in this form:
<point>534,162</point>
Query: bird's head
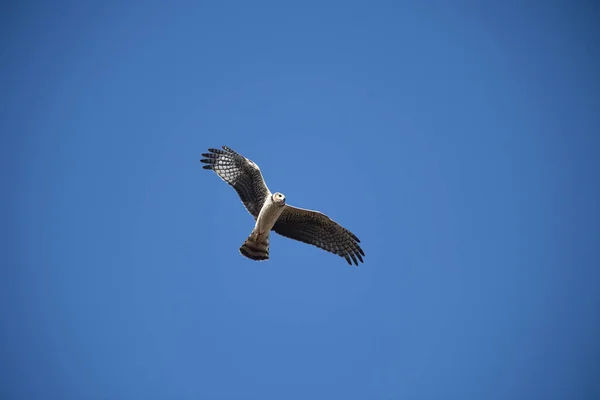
<point>278,198</point>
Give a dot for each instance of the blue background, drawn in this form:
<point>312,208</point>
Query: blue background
<point>459,142</point>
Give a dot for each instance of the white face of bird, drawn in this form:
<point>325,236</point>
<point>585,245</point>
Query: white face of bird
<point>278,198</point>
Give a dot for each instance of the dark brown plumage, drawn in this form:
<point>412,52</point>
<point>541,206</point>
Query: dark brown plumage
<point>317,229</point>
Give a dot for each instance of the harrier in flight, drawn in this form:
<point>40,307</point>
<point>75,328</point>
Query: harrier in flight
<point>271,212</point>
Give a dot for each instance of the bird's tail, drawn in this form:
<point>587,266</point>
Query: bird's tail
<point>256,247</point>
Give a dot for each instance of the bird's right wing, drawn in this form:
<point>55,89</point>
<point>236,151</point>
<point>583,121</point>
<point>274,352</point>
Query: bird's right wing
<point>242,174</point>
<point>313,227</point>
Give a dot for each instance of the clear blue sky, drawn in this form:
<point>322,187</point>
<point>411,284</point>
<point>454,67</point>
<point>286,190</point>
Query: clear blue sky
<point>459,143</point>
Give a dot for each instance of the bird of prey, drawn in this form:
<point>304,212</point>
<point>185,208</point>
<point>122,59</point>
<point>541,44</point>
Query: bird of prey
<point>271,212</point>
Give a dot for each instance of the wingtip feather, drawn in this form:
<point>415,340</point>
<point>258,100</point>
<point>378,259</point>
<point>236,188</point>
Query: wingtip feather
<point>359,257</point>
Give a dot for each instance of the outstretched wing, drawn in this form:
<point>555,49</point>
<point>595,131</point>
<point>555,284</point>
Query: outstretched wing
<point>318,229</point>
<point>242,174</point>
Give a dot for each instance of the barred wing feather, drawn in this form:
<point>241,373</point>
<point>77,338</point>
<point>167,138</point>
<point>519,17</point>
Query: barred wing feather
<point>317,229</point>
<point>240,173</point>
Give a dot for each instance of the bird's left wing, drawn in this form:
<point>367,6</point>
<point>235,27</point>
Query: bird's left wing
<point>242,174</point>
<point>317,229</point>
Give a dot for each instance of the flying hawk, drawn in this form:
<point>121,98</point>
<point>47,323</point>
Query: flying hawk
<point>271,212</point>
